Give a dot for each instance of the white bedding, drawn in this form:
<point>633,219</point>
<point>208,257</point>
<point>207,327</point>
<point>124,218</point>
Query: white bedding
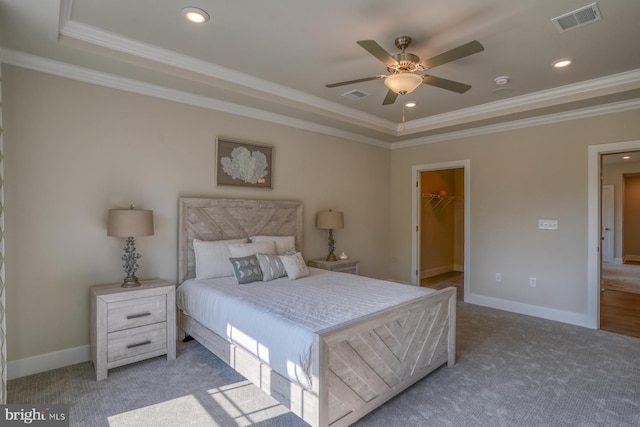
<point>275,320</point>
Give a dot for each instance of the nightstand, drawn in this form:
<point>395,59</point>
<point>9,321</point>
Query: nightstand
<point>132,324</point>
<point>351,266</point>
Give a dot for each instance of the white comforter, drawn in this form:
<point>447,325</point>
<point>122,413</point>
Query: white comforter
<point>275,320</point>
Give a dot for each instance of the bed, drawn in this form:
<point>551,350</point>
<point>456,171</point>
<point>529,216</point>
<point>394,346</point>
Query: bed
<point>353,365</point>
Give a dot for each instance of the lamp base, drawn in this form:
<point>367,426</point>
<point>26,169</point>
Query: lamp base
<point>130,281</point>
<point>332,247</point>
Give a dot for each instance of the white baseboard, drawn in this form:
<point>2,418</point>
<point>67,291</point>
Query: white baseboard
<point>46,362</point>
<point>530,310</point>
<point>618,261</point>
<point>435,271</point>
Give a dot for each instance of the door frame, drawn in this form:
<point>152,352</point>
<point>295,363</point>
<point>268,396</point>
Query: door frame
<point>593,223</point>
<point>415,216</point>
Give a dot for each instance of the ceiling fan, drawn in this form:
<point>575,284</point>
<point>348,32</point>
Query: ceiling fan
<point>404,68</point>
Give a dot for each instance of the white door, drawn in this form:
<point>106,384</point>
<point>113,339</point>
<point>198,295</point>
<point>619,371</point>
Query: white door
<point>607,223</point>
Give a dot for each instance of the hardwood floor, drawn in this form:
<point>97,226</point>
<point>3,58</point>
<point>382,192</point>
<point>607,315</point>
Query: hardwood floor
<point>620,312</point>
<point>452,278</point>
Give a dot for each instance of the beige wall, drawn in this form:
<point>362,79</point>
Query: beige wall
<point>75,150</point>
<point>516,178</point>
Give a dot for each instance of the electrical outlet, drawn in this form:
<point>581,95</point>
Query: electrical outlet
<point>498,277</point>
<point>532,282</point>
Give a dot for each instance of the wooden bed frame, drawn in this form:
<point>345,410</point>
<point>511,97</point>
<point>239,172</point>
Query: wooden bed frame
<point>356,366</point>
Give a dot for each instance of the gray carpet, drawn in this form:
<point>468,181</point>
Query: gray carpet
<point>512,370</point>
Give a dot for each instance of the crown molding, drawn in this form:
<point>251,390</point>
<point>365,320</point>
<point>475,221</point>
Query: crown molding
<point>524,123</point>
<point>49,66</point>
<point>525,102</point>
<point>74,72</point>
<point>99,37</point>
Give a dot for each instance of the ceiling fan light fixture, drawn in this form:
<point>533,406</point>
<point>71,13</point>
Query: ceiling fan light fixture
<point>195,15</point>
<point>403,83</point>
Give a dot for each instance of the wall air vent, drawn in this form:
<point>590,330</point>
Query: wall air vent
<point>355,94</point>
<point>577,18</point>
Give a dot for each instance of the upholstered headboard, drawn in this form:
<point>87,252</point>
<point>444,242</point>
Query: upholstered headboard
<point>223,219</point>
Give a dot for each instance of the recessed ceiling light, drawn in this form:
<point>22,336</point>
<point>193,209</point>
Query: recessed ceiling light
<point>626,157</point>
<point>562,63</point>
<point>410,104</point>
<point>195,15</point>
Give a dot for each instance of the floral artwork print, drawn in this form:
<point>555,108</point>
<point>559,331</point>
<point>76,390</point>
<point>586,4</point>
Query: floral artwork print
<point>250,167</point>
<point>243,164</point>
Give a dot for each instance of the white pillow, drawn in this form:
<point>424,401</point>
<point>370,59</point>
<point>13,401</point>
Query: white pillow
<point>295,266</point>
<point>212,258</point>
<point>239,250</point>
<point>283,243</point>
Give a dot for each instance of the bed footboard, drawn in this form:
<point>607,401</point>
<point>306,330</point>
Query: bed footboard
<point>370,360</point>
<point>357,366</point>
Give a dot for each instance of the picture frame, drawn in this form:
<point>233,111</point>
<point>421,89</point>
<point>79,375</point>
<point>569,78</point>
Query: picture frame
<point>243,164</point>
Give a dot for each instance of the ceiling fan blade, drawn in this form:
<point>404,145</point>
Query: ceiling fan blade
<point>376,50</point>
<point>453,54</point>
<point>390,98</point>
<point>445,84</point>
<point>354,81</point>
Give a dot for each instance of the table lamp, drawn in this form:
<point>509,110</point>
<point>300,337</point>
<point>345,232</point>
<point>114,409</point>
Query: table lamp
<point>130,223</point>
<point>330,220</point>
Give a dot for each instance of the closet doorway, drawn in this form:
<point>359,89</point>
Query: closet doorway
<point>441,228</point>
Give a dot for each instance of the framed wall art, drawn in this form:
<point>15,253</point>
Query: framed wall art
<point>243,163</point>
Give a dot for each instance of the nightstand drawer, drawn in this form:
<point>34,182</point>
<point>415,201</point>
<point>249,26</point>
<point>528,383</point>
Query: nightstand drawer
<point>132,342</point>
<point>137,312</point>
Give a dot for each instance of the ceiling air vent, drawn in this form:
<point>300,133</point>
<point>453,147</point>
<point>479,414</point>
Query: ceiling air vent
<point>577,18</point>
<point>355,94</point>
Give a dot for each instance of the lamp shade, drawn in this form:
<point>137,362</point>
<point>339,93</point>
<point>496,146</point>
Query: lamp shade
<point>330,220</point>
<point>130,223</point>
<point>403,83</point>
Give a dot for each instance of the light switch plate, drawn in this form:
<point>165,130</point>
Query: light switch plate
<point>548,224</point>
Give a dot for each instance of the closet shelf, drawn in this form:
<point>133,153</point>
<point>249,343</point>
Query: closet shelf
<point>436,200</point>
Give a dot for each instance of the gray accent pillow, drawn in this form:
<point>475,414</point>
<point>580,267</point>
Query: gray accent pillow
<point>246,269</point>
<point>271,266</point>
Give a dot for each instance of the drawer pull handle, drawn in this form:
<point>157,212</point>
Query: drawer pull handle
<point>135,316</point>
<point>139,344</point>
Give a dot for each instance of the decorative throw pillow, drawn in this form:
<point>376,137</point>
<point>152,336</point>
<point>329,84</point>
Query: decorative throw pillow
<point>283,243</point>
<point>245,249</point>
<point>271,266</point>
<point>212,258</point>
<point>295,266</point>
<point>246,269</point>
